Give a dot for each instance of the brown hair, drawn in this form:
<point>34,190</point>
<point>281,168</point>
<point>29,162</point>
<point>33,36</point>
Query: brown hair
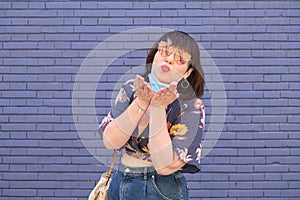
<point>185,42</point>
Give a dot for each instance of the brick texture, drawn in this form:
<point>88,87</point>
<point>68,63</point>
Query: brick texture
<point>254,44</point>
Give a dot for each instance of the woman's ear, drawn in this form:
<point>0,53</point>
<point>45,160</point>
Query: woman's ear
<point>188,73</point>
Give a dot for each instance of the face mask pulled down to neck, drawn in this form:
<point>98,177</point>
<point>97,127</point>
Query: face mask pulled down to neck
<point>155,84</point>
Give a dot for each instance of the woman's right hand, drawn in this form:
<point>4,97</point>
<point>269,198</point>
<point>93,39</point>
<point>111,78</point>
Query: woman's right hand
<point>165,96</point>
<point>144,92</point>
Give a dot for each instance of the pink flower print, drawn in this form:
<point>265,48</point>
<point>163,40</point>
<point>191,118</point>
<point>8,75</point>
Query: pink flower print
<point>183,155</point>
<point>122,97</point>
<point>105,120</point>
<point>198,152</point>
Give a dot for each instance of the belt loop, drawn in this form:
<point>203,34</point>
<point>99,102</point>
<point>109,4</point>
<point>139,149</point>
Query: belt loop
<point>145,173</point>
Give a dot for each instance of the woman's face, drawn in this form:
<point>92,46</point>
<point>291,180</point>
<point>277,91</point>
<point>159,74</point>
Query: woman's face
<point>170,64</point>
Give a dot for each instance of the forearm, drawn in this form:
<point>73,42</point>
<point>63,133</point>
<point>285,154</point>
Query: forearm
<point>118,131</point>
<point>161,148</point>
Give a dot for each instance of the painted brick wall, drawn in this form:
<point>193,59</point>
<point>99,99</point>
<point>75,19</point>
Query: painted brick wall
<point>255,46</point>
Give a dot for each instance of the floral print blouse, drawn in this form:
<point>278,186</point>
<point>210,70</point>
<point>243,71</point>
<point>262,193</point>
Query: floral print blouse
<point>185,123</point>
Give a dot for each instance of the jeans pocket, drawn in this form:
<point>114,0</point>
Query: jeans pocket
<point>173,186</point>
<point>160,193</point>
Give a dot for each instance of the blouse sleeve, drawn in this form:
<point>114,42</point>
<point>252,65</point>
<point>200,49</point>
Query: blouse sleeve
<point>186,133</point>
<point>120,104</point>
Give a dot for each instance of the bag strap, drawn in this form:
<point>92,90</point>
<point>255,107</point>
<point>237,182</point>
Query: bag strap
<point>111,166</point>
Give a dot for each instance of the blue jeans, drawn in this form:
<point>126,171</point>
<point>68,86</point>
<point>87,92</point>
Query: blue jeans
<point>144,183</point>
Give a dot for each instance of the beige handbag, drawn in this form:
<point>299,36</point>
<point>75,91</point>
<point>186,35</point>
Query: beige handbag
<point>100,191</point>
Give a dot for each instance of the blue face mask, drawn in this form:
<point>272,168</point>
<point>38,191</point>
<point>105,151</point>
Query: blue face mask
<point>155,84</point>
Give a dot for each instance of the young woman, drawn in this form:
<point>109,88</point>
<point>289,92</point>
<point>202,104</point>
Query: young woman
<point>158,119</point>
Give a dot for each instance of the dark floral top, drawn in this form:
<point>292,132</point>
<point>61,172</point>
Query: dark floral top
<point>185,122</point>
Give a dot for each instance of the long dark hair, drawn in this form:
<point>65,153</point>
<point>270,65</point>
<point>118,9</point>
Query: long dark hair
<point>185,42</point>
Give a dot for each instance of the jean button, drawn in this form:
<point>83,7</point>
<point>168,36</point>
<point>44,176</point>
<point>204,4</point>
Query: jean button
<point>127,170</point>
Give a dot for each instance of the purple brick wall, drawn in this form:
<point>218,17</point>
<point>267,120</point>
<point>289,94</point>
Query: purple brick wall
<point>255,46</point>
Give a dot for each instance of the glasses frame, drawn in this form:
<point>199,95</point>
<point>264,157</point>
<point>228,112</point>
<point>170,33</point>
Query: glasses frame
<point>183,56</point>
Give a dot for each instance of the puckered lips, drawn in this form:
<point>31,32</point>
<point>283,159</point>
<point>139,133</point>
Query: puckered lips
<point>165,68</point>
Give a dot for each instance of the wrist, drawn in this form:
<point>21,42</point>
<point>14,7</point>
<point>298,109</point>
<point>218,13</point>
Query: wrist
<point>142,106</point>
<point>156,108</point>
<point>156,105</point>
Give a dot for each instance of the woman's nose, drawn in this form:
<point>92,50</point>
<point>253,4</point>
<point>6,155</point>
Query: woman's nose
<point>170,58</point>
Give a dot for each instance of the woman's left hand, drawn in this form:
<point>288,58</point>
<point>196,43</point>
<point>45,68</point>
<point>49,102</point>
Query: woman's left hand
<point>165,96</point>
<point>143,91</point>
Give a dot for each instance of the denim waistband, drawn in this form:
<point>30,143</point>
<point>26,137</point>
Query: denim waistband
<point>137,171</point>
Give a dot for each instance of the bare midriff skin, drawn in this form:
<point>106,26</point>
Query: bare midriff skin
<point>134,162</point>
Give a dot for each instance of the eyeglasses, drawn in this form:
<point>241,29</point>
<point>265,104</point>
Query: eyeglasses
<point>180,57</point>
